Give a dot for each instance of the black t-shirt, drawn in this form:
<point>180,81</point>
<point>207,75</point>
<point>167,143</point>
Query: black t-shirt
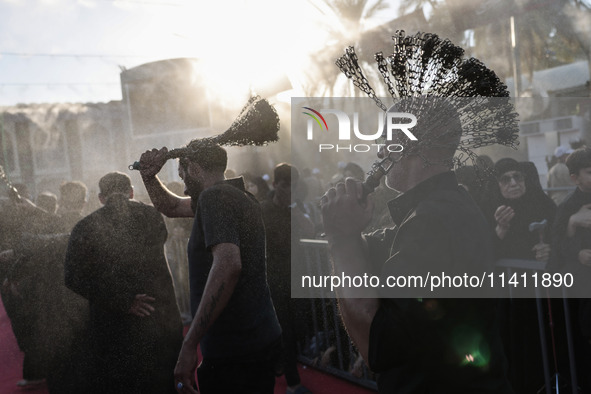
<point>227,214</point>
<point>435,345</point>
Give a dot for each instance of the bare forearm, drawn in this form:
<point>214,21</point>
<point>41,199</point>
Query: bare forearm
<point>357,315</point>
<point>358,306</point>
<point>218,290</point>
<point>164,201</point>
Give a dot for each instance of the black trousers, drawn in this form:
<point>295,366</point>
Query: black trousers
<point>254,375</point>
<point>287,315</point>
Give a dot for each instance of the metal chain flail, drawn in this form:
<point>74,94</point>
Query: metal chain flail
<point>428,77</point>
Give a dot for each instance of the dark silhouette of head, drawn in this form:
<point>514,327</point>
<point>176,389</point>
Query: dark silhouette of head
<point>72,196</point>
<point>115,183</point>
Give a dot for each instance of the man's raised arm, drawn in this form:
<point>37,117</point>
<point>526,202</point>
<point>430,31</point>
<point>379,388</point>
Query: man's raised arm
<point>344,218</point>
<point>164,200</point>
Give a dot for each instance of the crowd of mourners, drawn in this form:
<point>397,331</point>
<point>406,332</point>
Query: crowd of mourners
<point>82,322</point>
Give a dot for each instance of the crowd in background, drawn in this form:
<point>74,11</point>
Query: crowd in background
<point>50,320</point>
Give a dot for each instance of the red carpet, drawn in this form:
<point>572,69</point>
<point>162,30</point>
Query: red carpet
<point>11,363</point>
<point>321,383</point>
<point>11,360</point>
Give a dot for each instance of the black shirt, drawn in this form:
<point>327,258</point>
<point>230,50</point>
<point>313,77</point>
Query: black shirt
<point>565,250</point>
<point>435,345</point>
<point>227,214</point>
<point>278,230</point>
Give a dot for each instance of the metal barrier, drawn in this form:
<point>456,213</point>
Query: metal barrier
<point>328,348</point>
<point>509,265</point>
<point>559,189</point>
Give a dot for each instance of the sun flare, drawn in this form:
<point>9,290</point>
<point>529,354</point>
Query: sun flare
<point>246,45</point>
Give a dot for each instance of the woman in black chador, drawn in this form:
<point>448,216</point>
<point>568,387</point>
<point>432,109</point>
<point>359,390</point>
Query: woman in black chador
<point>516,200</point>
<point>521,215</point>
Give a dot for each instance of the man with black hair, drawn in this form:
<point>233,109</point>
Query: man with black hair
<point>115,260</point>
<point>233,317</point>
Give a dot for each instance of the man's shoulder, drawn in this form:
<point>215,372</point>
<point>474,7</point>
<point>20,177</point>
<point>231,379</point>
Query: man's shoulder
<point>447,202</point>
<point>451,210</point>
<point>221,189</point>
<point>575,200</point>
<point>91,217</point>
<point>87,223</point>
<point>438,192</point>
<point>145,210</point>
<point>222,200</point>
<point>224,194</point>
<point>141,206</point>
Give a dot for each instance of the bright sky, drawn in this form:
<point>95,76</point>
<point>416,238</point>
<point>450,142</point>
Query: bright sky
<point>72,50</point>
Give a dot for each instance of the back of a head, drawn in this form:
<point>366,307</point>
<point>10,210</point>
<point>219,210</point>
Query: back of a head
<point>114,183</point>
<point>285,172</point>
<point>579,159</point>
<point>467,176</point>
<point>72,195</point>
<point>438,128</point>
<point>209,155</point>
<point>485,162</point>
<point>47,201</point>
